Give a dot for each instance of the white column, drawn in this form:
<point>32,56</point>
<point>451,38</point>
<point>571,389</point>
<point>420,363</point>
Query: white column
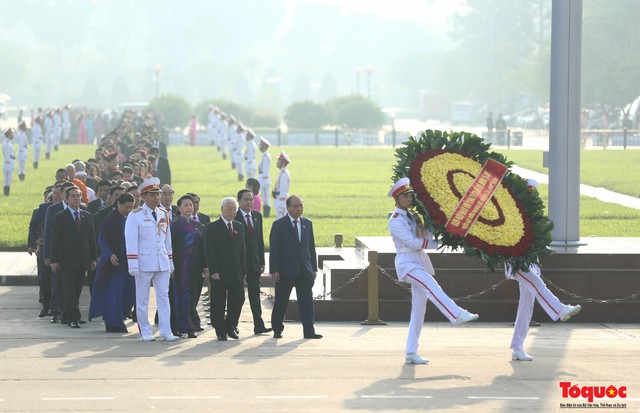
<point>564,122</point>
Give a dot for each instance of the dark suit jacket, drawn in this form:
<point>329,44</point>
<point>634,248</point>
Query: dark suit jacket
<point>162,148</point>
<point>224,254</point>
<point>163,171</point>
<point>253,242</point>
<point>36,226</point>
<point>71,248</point>
<point>203,218</point>
<point>94,206</point>
<point>52,211</point>
<point>288,256</point>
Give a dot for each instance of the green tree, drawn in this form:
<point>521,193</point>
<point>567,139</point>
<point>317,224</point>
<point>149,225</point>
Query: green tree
<point>306,114</point>
<point>355,111</point>
<point>175,109</point>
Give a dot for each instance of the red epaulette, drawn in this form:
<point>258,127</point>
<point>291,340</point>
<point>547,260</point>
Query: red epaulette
<point>395,215</point>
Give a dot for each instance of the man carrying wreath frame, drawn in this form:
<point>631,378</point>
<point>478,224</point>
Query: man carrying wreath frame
<point>413,266</point>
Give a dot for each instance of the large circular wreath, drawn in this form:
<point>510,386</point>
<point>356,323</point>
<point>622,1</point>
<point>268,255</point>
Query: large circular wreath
<point>512,227</point>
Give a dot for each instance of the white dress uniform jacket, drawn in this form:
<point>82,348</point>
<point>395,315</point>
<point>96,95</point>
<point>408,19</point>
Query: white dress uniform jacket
<point>410,241</point>
<point>250,159</point>
<point>9,156</point>
<point>149,242</point>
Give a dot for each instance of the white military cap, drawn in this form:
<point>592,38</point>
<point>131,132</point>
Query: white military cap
<point>284,157</point>
<point>402,185</point>
<point>150,185</point>
<point>532,184</point>
<point>264,141</point>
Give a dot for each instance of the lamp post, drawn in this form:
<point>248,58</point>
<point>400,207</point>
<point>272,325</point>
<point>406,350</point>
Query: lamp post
<point>156,69</point>
<point>369,69</point>
<point>357,71</point>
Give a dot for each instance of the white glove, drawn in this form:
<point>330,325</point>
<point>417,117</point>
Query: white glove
<point>133,272</point>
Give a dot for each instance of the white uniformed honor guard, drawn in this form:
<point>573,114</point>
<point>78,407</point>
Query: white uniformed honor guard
<point>149,255</point>
<point>66,123</point>
<point>283,184</point>
<point>413,266</point>
<point>36,140</point>
<point>531,288</point>
<point>48,134</point>
<point>264,176</point>
<point>57,128</point>
<point>9,162</point>
<point>23,148</point>
<point>238,144</point>
<point>250,155</point>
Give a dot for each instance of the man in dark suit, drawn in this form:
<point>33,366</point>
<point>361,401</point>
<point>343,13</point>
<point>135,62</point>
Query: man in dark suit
<point>292,263</point>
<point>73,252</point>
<point>254,246</point>
<point>162,147</point>
<point>161,167</point>
<point>198,282</point>
<point>57,299</point>
<point>101,197</point>
<point>166,199</point>
<point>34,244</point>
<point>226,262</point>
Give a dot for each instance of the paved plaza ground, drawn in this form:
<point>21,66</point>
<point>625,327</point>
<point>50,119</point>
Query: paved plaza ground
<point>49,367</point>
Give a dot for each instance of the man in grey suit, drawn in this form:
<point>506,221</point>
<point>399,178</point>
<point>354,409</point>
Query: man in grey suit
<point>293,263</point>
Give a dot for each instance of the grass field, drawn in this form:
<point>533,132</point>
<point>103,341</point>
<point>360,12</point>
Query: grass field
<point>343,189</point>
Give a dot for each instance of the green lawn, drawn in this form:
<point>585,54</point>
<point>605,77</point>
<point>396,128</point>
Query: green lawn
<point>343,189</point>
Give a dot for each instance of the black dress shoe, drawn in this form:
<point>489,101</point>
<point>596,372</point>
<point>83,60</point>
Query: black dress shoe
<point>82,322</point>
<point>233,335</point>
<point>258,331</point>
<point>54,319</point>
<point>74,324</point>
<point>222,338</point>
<point>313,335</point>
<point>277,335</point>
<point>43,313</point>
<point>198,328</point>
<point>192,335</point>
<point>235,329</point>
<point>110,329</point>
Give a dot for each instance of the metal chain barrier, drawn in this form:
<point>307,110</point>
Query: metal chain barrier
<point>494,287</point>
<point>335,290</point>
<point>588,299</point>
<point>466,297</point>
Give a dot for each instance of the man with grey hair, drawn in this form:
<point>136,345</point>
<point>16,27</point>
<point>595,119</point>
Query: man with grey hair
<point>90,181</point>
<point>224,252</point>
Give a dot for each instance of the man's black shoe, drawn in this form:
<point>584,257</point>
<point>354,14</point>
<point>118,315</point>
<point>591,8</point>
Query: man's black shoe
<point>277,335</point>
<point>233,335</point>
<point>222,338</point>
<point>82,322</point>
<point>74,324</point>
<point>313,335</point>
<point>43,313</point>
<point>54,319</point>
<point>258,331</point>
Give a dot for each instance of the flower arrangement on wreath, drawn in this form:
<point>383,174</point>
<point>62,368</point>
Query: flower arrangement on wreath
<point>512,228</point>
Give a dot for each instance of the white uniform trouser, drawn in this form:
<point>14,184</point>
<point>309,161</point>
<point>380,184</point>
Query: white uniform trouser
<point>65,131</point>
<point>212,134</point>
<point>251,168</point>
<point>265,195</point>
<point>49,142</point>
<point>22,161</point>
<point>36,153</point>
<point>57,135</point>
<point>531,288</point>
<point>237,159</point>
<point>280,204</point>
<point>8,177</point>
<point>161,285</point>
<point>424,287</point>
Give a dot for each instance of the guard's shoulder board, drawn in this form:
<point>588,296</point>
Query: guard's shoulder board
<point>395,215</point>
<point>137,210</point>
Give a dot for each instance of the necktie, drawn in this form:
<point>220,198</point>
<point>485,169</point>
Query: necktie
<point>230,229</point>
<point>295,228</point>
<point>77,220</point>
<point>249,224</point>
<point>155,217</point>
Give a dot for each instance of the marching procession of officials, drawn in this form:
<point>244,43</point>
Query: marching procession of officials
<point>112,219</point>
